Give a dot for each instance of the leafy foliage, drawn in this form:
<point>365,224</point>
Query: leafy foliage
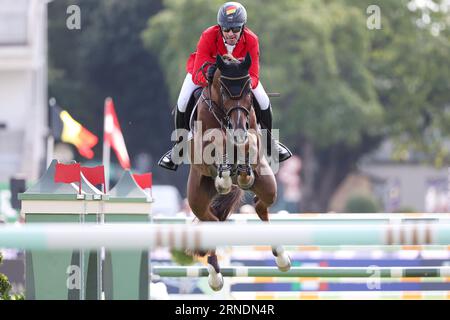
<point>361,204</point>
<point>182,258</point>
<point>106,58</point>
<point>5,287</point>
<point>344,88</point>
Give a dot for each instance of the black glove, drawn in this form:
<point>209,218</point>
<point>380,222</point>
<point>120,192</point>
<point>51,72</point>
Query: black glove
<point>210,73</point>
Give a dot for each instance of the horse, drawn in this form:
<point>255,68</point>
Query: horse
<point>226,125</point>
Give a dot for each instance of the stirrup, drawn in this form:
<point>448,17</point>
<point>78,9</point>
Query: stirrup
<point>166,161</point>
<point>283,152</point>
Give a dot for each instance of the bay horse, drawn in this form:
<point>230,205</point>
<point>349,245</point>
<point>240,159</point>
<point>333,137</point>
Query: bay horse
<point>226,126</point>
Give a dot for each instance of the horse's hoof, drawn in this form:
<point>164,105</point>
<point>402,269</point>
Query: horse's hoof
<point>282,258</point>
<point>223,185</point>
<point>215,280</point>
<point>283,262</point>
<point>246,182</point>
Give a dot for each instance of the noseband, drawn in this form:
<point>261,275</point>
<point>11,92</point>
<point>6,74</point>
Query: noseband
<point>236,108</point>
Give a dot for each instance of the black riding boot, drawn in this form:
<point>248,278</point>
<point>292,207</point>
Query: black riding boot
<point>166,160</point>
<point>266,121</point>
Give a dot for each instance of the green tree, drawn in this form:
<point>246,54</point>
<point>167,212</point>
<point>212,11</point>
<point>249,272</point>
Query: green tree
<point>361,204</point>
<point>344,88</point>
<point>5,286</point>
<point>107,58</point>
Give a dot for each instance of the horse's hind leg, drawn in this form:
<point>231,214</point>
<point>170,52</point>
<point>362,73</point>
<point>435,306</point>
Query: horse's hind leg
<point>200,193</point>
<point>265,189</point>
<point>201,190</point>
<point>215,278</point>
<point>281,257</point>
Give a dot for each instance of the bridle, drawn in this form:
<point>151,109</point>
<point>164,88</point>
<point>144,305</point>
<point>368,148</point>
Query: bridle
<point>224,116</point>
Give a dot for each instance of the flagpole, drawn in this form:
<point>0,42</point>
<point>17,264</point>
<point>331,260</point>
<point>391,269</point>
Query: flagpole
<point>50,138</point>
<point>106,152</point>
<point>50,148</point>
<point>106,161</point>
<point>106,158</point>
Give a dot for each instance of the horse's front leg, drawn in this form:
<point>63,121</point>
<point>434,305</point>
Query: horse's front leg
<point>248,159</point>
<point>223,181</point>
<point>215,160</point>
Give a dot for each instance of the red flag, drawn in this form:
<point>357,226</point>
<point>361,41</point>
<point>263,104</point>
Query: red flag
<point>68,173</point>
<point>95,175</point>
<point>143,180</point>
<point>113,135</point>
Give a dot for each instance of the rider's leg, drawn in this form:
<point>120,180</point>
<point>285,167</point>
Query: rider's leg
<point>264,115</point>
<point>181,122</point>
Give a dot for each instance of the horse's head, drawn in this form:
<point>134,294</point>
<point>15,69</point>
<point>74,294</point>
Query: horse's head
<point>234,86</point>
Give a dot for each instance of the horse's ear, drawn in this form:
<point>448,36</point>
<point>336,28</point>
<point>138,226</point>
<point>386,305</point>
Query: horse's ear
<point>247,61</point>
<point>219,62</point>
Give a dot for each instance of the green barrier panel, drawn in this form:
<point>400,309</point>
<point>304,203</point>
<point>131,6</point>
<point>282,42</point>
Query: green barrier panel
<point>62,274</point>
<point>126,272</point>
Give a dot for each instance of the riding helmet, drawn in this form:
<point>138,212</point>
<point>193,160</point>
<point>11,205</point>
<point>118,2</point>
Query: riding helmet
<point>231,15</point>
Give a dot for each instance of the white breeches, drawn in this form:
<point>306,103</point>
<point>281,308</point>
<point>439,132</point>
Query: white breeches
<point>189,86</point>
<point>261,96</point>
<point>186,91</point>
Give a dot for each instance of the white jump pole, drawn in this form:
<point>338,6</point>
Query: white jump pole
<point>211,235</point>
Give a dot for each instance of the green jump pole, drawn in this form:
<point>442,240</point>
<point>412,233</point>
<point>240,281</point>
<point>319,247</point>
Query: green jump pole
<point>325,272</point>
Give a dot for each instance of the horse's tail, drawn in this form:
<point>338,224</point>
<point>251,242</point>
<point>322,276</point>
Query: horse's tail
<point>223,204</point>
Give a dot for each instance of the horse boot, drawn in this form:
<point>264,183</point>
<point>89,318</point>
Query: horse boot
<point>266,120</point>
<point>166,160</point>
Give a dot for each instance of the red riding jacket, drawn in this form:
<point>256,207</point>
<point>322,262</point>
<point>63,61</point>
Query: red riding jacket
<point>211,43</point>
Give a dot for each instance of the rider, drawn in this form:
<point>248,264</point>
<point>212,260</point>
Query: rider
<point>231,36</point>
